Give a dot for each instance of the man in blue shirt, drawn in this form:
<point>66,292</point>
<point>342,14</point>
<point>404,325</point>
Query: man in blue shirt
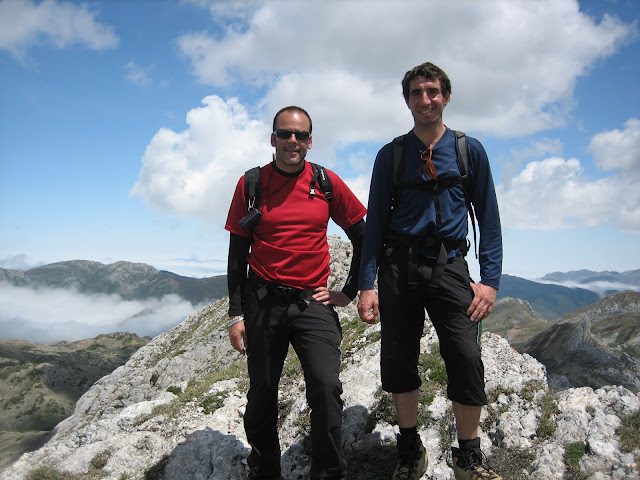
<point>418,252</point>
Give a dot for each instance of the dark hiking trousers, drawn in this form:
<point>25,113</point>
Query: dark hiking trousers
<point>275,317</point>
<point>402,316</point>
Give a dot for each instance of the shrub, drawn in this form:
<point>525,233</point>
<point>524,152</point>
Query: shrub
<point>629,432</point>
<point>512,463</point>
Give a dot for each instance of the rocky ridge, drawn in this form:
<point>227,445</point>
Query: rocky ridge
<point>595,346</point>
<point>174,411</point>
<point>128,280</point>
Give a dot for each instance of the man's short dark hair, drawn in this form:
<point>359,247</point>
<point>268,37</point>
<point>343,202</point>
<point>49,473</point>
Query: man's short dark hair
<point>429,71</point>
<point>291,108</point>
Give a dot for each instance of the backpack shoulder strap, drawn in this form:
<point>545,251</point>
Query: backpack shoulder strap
<point>252,186</point>
<point>398,169</point>
<point>321,177</point>
<point>462,150</point>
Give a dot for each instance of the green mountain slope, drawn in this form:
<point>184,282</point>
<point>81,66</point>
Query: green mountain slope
<point>40,384</point>
<point>549,301</point>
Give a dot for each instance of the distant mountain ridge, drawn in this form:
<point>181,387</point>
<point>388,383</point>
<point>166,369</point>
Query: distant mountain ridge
<point>132,281</point>
<point>549,301</point>
<point>630,277</point>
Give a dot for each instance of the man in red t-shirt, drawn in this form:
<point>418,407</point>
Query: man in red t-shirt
<point>285,300</point>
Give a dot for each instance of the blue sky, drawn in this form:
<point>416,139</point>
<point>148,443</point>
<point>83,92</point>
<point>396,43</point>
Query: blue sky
<point>125,125</point>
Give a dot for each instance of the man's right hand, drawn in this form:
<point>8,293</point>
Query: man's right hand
<point>368,306</point>
<point>238,337</point>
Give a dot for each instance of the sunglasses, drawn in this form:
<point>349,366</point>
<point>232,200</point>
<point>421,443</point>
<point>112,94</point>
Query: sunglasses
<point>284,134</point>
<point>428,168</point>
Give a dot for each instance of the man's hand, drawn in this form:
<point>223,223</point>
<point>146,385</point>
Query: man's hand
<point>484,297</point>
<point>238,337</point>
<point>368,306</point>
<point>330,297</point>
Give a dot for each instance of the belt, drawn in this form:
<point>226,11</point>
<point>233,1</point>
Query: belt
<point>283,293</point>
<point>417,244</point>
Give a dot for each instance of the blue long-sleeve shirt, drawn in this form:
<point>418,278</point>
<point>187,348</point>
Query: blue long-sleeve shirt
<point>416,212</point>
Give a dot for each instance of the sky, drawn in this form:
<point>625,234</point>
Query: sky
<point>125,125</point>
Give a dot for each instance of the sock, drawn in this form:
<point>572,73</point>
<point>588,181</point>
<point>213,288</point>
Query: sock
<point>466,445</point>
<point>409,431</point>
<point>407,437</point>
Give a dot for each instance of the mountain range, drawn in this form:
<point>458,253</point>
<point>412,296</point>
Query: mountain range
<point>174,410</point>
<point>132,281</point>
<point>593,345</point>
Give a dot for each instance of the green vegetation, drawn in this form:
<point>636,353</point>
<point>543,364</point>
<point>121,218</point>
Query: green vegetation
<point>629,432</point>
<point>511,463</point>
<point>546,422</point>
<point>573,452</point>
<point>211,403</point>
<point>199,388</point>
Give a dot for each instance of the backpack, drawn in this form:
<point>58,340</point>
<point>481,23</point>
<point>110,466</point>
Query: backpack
<point>252,187</point>
<point>433,242</point>
<point>462,151</point>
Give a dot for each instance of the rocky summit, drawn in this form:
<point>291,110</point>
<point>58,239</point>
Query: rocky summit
<point>174,411</point>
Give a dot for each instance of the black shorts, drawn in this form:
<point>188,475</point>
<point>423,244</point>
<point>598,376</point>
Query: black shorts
<point>402,315</point>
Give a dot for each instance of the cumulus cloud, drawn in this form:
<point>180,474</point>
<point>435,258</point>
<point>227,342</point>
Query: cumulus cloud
<point>497,87</point>
<point>555,193</point>
<point>618,149</point>
<point>352,90</point>
<point>194,172</point>
<point>52,315</point>
<point>25,23</point>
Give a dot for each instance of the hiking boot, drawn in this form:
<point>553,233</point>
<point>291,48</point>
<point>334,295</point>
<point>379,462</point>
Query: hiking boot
<point>412,463</point>
<point>471,465</point>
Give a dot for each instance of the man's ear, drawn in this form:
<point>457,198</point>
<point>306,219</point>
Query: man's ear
<point>445,99</point>
<point>310,139</point>
<point>273,139</point>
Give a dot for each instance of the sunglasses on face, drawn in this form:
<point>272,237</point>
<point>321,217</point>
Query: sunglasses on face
<point>284,134</point>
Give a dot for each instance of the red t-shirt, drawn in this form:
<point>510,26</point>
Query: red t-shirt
<point>290,242</point>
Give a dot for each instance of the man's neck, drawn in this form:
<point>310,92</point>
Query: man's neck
<point>430,135</point>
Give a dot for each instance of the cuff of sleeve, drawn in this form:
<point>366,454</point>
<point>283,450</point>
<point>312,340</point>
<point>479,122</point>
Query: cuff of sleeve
<point>350,291</point>
<point>492,283</point>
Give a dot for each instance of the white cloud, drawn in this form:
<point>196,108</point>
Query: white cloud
<point>498,53</point>
<point>53,315</point>
<point>24,23</point>
<point>137,75</point>
<point>346,71</point>
<point>554,193</point>
<point>20,261</point>
<point>618,149</point>
<point>195,172</point>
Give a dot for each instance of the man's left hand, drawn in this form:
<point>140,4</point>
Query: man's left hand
<point>330,297</point>
<point>484,297</point>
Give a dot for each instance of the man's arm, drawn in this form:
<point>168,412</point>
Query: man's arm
<point>490,251</point>
<point>350,288</point>
<point>237,272</point>
<point>236,279</point>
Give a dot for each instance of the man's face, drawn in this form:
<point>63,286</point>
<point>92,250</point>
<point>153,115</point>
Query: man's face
<point>291,151</point>
<point>426,101</point>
